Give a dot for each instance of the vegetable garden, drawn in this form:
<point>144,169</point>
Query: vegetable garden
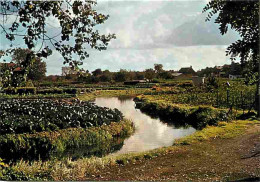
<point>29,116</point>
<point>33,129</point>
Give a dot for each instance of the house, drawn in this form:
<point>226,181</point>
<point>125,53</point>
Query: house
<point>176,75</point>
<point>11,66</point>
<point>187,71</point>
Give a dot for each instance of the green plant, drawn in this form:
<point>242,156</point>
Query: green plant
<point>28,116</point>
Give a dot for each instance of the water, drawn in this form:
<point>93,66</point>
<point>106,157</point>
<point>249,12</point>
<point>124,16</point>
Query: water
<point>150,133</point>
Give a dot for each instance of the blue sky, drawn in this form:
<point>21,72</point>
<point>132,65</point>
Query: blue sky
<point>172,33</point>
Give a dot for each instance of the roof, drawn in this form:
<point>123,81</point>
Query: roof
<point>186,70</point>
<point>8,64</point>
<point>176,74</point>
<point>11,65</point>
<point>18,69</point>
<point>219,67</point>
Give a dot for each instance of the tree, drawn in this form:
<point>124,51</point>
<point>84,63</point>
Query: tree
<point>97,72</point>
<point>165,75</point>
<point>36,70</point>
<point>106,76</point>
<point>77,20</point>
<point>139,75</point>
<point>158,68</point>
<point>243,17</point>
<point>149,74</point>
<point>120,76</point>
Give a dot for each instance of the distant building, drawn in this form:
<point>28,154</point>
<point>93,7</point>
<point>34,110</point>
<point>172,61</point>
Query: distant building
<point>187,71</point>
<point>11,66</point>
<point>177,75</point>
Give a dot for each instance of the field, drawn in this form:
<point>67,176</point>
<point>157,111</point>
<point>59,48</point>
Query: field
<point>43,134</point>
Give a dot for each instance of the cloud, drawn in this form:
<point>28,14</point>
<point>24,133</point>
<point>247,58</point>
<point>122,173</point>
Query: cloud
<point>157,24</point>
<point>172,33</point>
<point>172,58</point>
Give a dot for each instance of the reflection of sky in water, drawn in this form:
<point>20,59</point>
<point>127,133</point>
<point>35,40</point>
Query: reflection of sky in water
<point>150,133</point>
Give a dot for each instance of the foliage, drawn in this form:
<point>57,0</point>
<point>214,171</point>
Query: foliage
<point>28,116</point>
<point>243,17</point>
<point>76,22</point>
<point>165,75</point>
<point>212,83</point>
<point>149,74</point>
<point>120,76</point>
<point>158,68</point>
<point>76,19</point>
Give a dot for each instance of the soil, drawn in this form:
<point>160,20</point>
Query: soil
<point>214,160</point>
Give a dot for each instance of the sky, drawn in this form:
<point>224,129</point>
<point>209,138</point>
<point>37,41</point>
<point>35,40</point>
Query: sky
<point>173,33</point>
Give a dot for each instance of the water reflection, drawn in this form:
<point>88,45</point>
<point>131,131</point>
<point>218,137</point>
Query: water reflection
<point>150,133</point>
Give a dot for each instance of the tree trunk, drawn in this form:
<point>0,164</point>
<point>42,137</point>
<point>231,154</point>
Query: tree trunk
<point>258,85</point>
<point>258,93</point>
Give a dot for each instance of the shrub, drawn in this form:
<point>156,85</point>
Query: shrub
<point>50,91</point>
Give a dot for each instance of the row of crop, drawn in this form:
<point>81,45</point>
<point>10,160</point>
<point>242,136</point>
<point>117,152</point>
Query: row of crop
<point>239,99</point>
<point>180,115</point>
<point>29,116</point>
<point>63,143</point>
<point>100,85</point>
<point>44,91</point>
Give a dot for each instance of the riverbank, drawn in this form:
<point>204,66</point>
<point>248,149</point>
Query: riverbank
<point>222,157</point>
<point>225,152</point>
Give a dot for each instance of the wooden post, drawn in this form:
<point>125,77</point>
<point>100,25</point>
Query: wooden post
<point>217,98</point>
<point>227,98</point>
<point>242,102</point>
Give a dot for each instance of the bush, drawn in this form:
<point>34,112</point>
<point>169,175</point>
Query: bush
<point>50,91</point>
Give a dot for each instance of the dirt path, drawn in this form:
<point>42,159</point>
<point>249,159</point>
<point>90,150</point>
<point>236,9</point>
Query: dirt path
<point>218,159</point>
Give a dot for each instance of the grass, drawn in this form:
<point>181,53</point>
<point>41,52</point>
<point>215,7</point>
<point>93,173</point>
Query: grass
<point>112,93</point>
<point>224,130</point>
<point>90,168</point>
